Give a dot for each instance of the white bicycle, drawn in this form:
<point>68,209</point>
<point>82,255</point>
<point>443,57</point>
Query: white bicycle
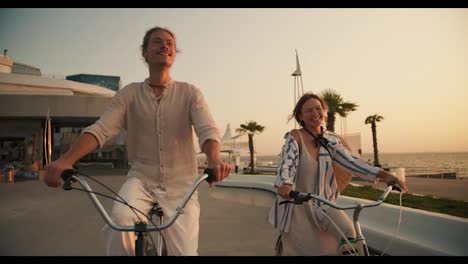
<point>359,248</point>
<point>142,247</point>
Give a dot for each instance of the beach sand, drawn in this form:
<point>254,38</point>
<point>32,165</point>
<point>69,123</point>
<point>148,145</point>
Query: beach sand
<point>455,189</point>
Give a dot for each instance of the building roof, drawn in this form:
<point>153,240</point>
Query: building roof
<point>11,83</point>
<point>93,75</point>
<point>25,65</point>
<point>5,60</point>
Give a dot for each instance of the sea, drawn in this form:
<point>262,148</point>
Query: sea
<point>413,163</point>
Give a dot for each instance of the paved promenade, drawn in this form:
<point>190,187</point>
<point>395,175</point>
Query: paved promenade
<point>40,221</point>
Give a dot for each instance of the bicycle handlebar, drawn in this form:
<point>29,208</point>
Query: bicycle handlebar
<point>301,197</point>
<point>70,175</point>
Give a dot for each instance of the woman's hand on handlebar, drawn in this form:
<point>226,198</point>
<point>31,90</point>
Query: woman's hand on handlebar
<point>284,191</point>
<point>54,170</point>
<point>391,179</point>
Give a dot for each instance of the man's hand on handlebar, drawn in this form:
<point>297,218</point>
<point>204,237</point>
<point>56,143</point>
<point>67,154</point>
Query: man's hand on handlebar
<point>53,172</point>
<point>221,170</point>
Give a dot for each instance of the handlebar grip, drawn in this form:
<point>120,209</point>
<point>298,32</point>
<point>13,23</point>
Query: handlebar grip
<point>67,174</point>
<point>211,175</point>
<point>396,187</point>
<point>293,194</point>
<point>67,178</point>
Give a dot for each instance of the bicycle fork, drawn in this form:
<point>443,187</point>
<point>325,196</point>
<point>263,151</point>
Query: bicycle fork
<point>141,243</point>
<point>361,245</point>
<point>157,210</point>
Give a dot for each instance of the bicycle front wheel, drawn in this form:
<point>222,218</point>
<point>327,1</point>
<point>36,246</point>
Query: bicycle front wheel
<point>279,246</point>
<point>358,248</point>
<point>152,248</point>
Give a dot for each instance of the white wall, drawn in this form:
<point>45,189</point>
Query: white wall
<point>421,233</point>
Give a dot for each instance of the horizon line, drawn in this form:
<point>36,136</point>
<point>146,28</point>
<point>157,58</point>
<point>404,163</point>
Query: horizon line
<point>371,153</point>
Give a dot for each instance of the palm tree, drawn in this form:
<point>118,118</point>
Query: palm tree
<point>250,128</point>
<point>373,119</point>
<point>336,105</point>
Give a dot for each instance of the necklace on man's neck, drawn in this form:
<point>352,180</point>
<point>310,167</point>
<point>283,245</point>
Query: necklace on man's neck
<point>157,86</point>
<point>161,95</point>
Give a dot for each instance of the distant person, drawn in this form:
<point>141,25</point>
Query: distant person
<point>307,165</point>
<point>158,115</point>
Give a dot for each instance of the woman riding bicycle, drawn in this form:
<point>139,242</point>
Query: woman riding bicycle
<point>308,161</point>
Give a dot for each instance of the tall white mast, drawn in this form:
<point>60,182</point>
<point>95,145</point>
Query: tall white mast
<point>298,87</point>
<point>48,138</point>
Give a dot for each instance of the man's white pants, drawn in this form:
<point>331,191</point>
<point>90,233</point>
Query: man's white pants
<point>181,237</point>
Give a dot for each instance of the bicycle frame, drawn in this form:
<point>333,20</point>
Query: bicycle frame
<point>300,197</point>
<point>160,247</point>
<point>141,228</point>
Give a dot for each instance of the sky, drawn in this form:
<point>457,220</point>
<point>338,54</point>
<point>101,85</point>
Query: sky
<point>408,65</point>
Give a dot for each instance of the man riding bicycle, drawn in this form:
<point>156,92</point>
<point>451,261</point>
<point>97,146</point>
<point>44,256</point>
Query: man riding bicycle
<point>158,115</point>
